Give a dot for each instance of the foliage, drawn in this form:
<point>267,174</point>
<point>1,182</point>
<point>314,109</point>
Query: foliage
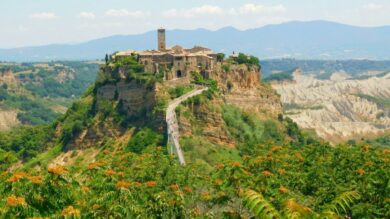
<point>24,143</point>
<point>32,112</point>
<point>263,209</point>
<point>143,138</point>
<point>78,117</point>
<point>282,76</point>
<point>247,59</point>
<point>220,57</point>
<point>82,75</point>
<point>179,91</point>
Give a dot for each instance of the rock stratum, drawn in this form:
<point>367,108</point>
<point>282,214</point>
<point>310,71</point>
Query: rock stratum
<point>338,109</point>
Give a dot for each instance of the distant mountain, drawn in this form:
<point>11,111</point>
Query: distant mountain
<point>301,40</point>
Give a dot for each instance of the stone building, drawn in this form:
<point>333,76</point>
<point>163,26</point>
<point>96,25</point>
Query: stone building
<point>176,62</point>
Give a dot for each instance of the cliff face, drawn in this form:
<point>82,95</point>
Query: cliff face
<point>135,97</point>
<point>8,78</point>
<point>241,86</point>
<point>206,121</point>
<point>338,109</point>
<point>8,119</point>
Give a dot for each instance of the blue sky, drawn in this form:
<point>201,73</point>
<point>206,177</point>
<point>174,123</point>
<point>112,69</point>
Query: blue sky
<point>38,22</point>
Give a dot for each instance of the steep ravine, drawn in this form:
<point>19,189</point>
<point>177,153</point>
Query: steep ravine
<point>335,109</point>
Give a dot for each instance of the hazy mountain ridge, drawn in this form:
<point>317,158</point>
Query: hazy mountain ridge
<point>303,40</point>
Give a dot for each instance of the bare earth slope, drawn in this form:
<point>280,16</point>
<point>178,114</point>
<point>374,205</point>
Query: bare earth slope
<point>337,109</point>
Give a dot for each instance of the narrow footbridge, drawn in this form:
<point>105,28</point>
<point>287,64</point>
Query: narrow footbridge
<point>173,126</point>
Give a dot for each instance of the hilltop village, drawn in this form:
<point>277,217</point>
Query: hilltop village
<point>236,76</point>
<point>179,60</point>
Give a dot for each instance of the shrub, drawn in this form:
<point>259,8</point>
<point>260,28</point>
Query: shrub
<point>143,138</point>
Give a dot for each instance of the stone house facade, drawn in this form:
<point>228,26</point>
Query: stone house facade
<point>176,62</point>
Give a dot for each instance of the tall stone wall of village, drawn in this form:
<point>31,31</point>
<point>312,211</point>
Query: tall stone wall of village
<point>135,97</point>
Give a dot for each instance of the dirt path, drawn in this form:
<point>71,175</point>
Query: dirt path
<point>172,124</point>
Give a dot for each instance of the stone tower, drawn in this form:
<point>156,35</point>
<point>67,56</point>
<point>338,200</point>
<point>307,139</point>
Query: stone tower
<point>161,39</point>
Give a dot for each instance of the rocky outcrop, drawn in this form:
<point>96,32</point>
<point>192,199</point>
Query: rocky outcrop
<point>8,119</point>
<point>135,97</point>
<point>8,78</point>
<point>211,121</point>
<point>241,86</point>
<point>333,108</point>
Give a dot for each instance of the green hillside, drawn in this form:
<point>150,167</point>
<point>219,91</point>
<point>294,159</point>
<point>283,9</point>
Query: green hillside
<point>40,92</point>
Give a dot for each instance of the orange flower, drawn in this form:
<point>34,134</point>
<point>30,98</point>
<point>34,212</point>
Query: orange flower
<point>122,185</point>
<point>94,165</point>
<point>95,206</point>
<point>369,163</point>
<point>85,189</point>
<point>236,164</point>
<point>366,148</point>
<point>266,173</point>
<point>282,171</point>
<point>171,202</point>
<point>196,211</point>
<point>299,156</point>
<point>15,201</point>
<point>247,172</point>
<point>174,186</point>
<point>110,172</point>
<point>35,179</point>
<point>205,195</point>
<point>137,184</point>
<point>219,166</point>
<point>69,211</point>
<point>246,157</point>
<point>151,184</point>
<point>187,189</point>
<point>121,174</point>
<point>283,189</point>
<point>17,176</point>
<point>361,171</point>
<point>386,151</point>
<point>57,170</point>
<point>275,148</point>
<point>218,182</point>
<point>258,160</point>
<point>178,193</point>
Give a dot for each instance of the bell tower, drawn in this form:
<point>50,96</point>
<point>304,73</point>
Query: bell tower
<point>161,39</point>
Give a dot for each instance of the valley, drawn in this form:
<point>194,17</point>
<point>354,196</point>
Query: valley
<point>339,108</point>
<point>37,93</point>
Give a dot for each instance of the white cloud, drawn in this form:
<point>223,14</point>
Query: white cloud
<point>191,12</point>
<point>87,15</point>
<point>373,7</point>
<point>44,16</point>
<point>126,13</point>
<point>256,9</point>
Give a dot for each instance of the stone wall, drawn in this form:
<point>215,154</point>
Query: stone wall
<point>135,97</point>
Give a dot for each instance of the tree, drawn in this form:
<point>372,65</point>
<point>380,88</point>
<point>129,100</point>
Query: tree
<point>220,57</point>
<point>106,58</point>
